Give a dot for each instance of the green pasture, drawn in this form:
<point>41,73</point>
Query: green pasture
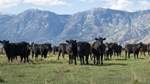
<point>53,71</point>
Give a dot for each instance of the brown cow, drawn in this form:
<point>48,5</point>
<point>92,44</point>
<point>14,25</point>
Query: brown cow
<point>143,49</point>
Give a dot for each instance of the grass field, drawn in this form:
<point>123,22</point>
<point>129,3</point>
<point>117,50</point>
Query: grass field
<point>52,71</point>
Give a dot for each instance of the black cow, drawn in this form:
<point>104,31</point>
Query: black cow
<point>109,50</point>
<point>62,49</point>
<point>55,49</point>
<point>84,49</point>
<point>133,48</point>
<point>117,49</point>
<point>71,49</point>
<point>98,49</point>
<point>41,49</point>
<point>13,50</point>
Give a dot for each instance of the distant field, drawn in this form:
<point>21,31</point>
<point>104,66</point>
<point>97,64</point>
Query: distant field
<point>52,71</point>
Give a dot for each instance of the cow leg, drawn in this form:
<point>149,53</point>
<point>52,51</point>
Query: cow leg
<point>98,60</point>
<point>134,56</point>
<point>107,55</point>
<point>80,59</point>
<point>45,55</point>
<point>111,56</point>
<point>63,55</point>
<point>83,60</point>
<point>141,53</point>
<point>129,55</point>
<point>94,59</point>
<point>24,59</point>
<point>11,59</point>
<point>16,58</point>
<point>36,56</point>
<point>120,54</point>
<point>144,53</point>
<point>8,59</point>
<point>117,54</point>
<point>33,54</point>
<point>69,59</point>
<point>54,52</point>
<point>138,55</point>
<point>101,59</point>
<point>59,55</point>
<point>27,58</point>
<point>87,57</point>
<point>21,58</point>
<point>75,60</point>
<point>125,54</point>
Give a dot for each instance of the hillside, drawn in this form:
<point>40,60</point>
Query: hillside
<point>44,26</point>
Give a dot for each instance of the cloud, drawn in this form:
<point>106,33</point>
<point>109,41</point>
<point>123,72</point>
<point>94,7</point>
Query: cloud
<point>126,5</point>
<point>87,0</point>
<point>8,3</point>
<point>144,5</point>
<point>46,2</point>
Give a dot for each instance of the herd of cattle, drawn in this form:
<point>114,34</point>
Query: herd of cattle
<point>74,49</point>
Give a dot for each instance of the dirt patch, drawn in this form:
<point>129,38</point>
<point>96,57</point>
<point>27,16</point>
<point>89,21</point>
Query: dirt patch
<point>58,76</point>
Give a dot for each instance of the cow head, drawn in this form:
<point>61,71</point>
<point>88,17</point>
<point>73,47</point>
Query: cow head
<point>48,46</point>
<point>140,45</point>
<point>5,43</point>
<point>100,40</point>
<point>72,42</point>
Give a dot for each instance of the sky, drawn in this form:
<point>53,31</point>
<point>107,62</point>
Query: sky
<point>71,6</point>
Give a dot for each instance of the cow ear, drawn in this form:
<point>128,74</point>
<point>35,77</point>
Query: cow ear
<point>67,41</point>
<point>7,41</point>
<point>104,38</point>
<point>96,38</point>
<point>0,41</point>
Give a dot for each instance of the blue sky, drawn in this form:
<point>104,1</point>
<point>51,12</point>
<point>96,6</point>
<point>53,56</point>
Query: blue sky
<point>71,6</point>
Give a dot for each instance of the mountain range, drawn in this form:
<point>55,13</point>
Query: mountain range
<point>38,26</point>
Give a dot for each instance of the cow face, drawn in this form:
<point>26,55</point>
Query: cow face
<point>100,40</point>
<point>140,45</point>
<point>72,42</point>
<point>49,47</point>
<point>5,43</point>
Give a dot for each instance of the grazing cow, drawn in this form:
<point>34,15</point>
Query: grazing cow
<point>144,49</point>
<point>133,48</point>
<point>84,49</point>
<point>55,49</point>
<point>13,50</point>
<point>71,49</point>
<point>98,49</point>
<point>109,50</point>
<point>41,49</point>
<point>62,49</point>
<point>117,49</point>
